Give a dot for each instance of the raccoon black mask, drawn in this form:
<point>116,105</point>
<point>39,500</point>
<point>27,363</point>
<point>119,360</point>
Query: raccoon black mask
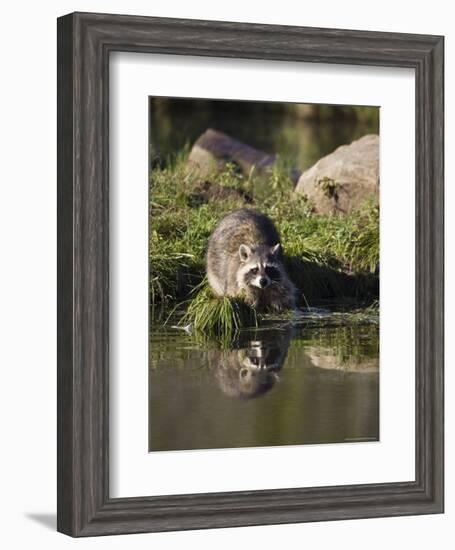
<point>260,265</point>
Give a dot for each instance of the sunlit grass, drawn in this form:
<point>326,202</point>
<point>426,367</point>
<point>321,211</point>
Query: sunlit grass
<point>218,317</point>
<point>326,256</point>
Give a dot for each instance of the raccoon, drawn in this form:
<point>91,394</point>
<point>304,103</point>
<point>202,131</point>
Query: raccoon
<point>245,259</point>
<point>252,369</point>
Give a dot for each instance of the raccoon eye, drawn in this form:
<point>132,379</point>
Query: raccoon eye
<point>255,271</point>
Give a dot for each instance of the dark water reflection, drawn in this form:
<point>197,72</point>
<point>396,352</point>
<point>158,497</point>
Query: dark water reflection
<point>286,385</point>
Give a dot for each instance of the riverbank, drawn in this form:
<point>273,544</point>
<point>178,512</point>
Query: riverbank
<point>327,257</point>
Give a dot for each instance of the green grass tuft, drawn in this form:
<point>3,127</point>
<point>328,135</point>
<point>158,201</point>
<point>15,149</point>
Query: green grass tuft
<point>220,318</point>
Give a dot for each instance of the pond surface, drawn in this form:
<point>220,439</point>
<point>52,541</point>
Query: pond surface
<point>284,384</point>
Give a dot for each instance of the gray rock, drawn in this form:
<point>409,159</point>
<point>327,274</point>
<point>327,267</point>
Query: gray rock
<point>344,180</point>
<point>214,149</point>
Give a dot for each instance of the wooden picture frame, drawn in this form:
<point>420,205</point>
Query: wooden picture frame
<point>84,44</point>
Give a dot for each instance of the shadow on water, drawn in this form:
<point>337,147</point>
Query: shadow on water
<point>285,384</point>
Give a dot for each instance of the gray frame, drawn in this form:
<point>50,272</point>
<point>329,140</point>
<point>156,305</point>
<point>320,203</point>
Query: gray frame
<point>84,44</point>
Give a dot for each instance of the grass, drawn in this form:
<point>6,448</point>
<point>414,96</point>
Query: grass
<point>219,318</point>
<point>326,256</point>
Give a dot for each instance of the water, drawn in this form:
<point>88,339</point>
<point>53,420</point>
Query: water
<point>270,127</point>
<point>286,384</point>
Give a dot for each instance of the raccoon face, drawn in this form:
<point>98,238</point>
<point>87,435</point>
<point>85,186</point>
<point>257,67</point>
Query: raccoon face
<point>260,356</point>
<point>260,266</point>
<point>253,369</point>
<point>257,372</point>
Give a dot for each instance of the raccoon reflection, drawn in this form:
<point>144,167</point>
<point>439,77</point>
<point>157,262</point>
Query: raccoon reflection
<point>251,371</point>
<point>244,258</point>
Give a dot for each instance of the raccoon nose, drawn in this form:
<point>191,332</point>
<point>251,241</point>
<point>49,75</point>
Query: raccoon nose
<point>263,282</point>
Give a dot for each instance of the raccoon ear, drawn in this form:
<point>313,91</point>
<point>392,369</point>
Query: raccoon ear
<point>244,252</point>
<point>275,250</point>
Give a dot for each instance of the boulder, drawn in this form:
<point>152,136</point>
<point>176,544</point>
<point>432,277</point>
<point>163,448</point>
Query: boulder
<point>345,179</point>
<point>213,149</point>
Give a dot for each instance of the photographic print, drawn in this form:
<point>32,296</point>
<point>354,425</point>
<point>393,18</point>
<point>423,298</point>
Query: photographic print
<point>263,274</point>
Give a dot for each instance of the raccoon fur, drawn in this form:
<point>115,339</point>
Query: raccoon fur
<point>245,259</point>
